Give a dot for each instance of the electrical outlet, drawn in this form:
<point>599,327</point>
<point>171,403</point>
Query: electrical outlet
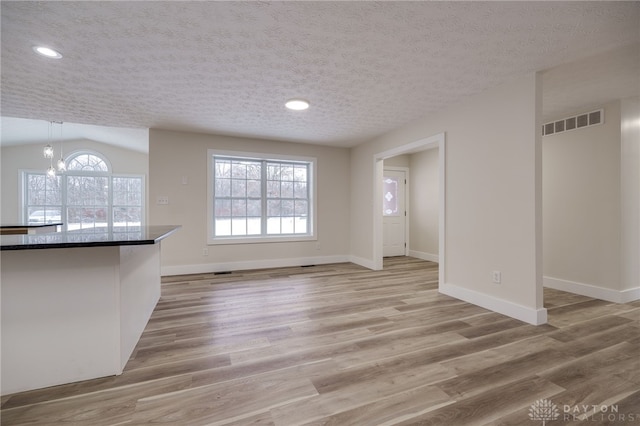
<point>205,251</point>
<point>497,277</point>
<point>162,200</point>
<point>317,246</point>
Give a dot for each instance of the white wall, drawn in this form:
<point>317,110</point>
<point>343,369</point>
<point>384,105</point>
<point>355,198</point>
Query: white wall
<point>29,157</point>
<point>398,161</point>
<point>173,155</point>
<point>493,196</point>
<point>581,199</point>
<point>423,213</point>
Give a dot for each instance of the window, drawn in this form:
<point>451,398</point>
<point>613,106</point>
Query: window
<point>87,196</point>
<point>257,198</point>
<point>390,196</point>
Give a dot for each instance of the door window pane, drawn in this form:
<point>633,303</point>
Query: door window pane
<point>390,196</point>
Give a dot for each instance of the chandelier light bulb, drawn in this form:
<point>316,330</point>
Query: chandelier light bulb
<point>51,171</point>
<point>62,167</point>
<point>48,151</point>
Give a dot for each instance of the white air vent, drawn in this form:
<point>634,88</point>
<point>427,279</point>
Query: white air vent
<point>579,121</point>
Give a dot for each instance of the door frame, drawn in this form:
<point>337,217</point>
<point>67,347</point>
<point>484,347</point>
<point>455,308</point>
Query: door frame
<point>435,141</point>
<point>406,202</point>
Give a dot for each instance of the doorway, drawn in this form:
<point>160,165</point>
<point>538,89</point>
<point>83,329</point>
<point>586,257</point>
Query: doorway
<point>436,141</point>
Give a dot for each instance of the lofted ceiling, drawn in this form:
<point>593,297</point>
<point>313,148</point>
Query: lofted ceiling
<point>228,67</point>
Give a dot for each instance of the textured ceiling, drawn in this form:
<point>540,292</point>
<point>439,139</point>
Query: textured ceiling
<point>228,67</point>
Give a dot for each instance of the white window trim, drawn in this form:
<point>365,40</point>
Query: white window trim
<point>312,236</point>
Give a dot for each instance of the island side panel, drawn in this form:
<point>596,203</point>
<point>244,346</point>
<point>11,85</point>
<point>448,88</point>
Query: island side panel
<point>59,316</point>
<point>139,293</point>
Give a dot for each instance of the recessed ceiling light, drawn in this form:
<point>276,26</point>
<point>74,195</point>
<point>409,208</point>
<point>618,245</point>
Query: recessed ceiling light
<point>47,52</point>
<point>297,104</point>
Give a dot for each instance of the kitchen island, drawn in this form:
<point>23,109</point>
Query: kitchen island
<point>75,303</point>
<point>30,228</point>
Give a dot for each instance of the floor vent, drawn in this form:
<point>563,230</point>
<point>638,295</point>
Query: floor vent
<point>579,121</point>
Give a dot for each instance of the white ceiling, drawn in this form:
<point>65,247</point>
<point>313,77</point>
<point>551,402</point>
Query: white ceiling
<point>19,131</point>
<point>228,67</point>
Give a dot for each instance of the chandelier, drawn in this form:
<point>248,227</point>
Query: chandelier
<point>48,151</point>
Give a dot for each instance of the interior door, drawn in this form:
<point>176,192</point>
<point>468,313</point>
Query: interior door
<point>393,213</point>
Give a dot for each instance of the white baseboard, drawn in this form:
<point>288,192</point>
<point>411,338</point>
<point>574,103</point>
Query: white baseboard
<point>630,295</point>
<point>205,268</point>
<point>501,306</point>
<point>423,255</point>
<point>610,295</point>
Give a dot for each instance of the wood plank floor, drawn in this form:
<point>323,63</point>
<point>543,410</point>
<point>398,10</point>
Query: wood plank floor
<point>343,345</point>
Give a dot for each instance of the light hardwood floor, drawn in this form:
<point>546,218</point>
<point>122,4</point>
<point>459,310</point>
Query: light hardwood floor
<point>343,345</point>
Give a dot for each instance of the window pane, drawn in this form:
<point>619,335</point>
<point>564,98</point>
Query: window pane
<point>238,188</point>
<point>254,188</point>
<point>222,208</point>
<point>390,196</point>
<point>223,187</point>
<point>287,225</point>
<point>273,225</point>
<point>273,189</point>
<point>300,174</point>
<point>301,208</point>
<point>254,226</point>
<point>300,225</point>
<point>273,171</point>
<point>287,208</point>
<point>222,168</point>
<point>300,190</point>
<point>254,171</point>
<point>238,208</point>
<point>286,172</point>
<point>273,208</point>
<point>254,208</point>
<point>127,216</point>
<point>239,226</point>
<point>223,227</point>
<point>238,170</point>
<point>286,190</point>
<point>120,196</point>
<point>73,216</point>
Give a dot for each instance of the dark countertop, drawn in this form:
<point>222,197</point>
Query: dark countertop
<point>30,225</point>
<point>116,236</point>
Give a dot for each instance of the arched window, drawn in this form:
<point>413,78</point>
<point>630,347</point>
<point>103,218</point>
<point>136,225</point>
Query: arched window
<point>88,162</point>
<point>86,196</point>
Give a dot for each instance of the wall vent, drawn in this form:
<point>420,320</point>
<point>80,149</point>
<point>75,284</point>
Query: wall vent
<point>579,121</point>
